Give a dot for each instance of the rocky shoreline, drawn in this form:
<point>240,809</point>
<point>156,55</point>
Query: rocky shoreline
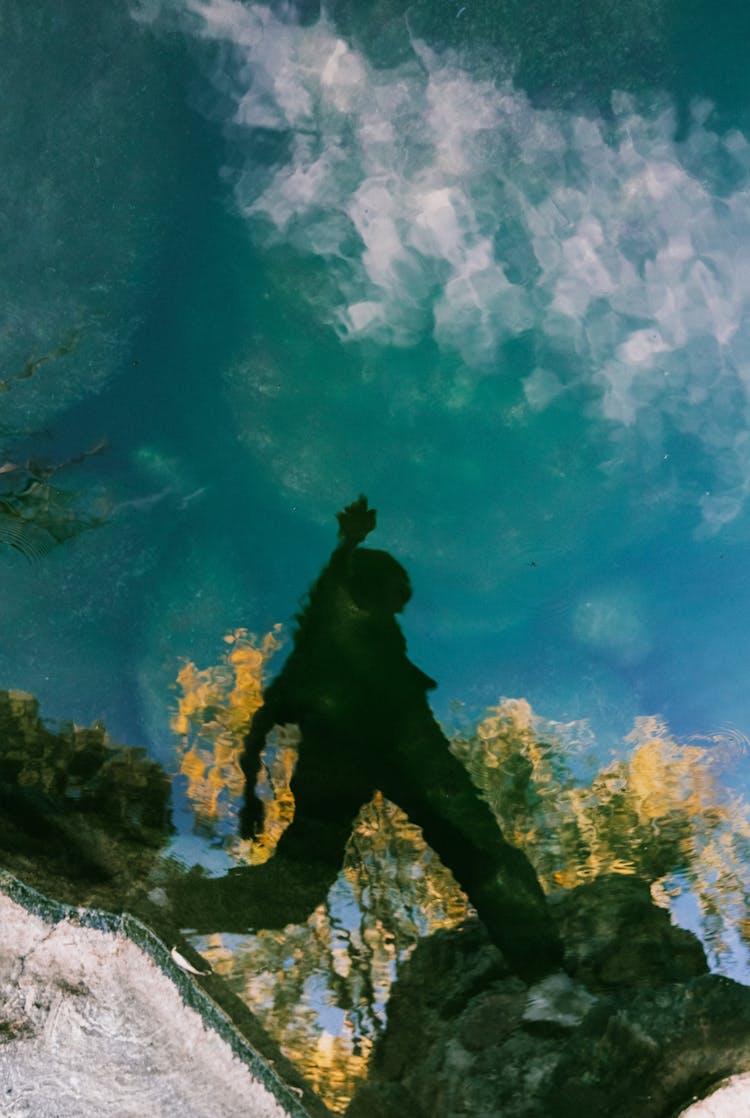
<point>97,1017</point>
<point>635,1028</point>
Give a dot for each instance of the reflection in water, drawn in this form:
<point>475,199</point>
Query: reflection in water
<point>96,815</point>
<point>80,810</point>
<point>76,810</point>
<point>366,725</point>
<point>36,515</point>
<point>322,987</point>
<point>658,812</point>
<point>214,714</point>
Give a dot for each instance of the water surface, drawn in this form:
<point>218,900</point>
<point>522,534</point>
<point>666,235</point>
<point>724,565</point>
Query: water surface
<point>483,262</point>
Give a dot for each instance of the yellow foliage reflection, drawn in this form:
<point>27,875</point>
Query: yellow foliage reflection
<point>321,989</point>
<point>214,712</point>
<point>659,811</point>
<point>656,809</point>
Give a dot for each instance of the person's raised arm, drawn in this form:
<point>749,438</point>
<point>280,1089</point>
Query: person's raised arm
<point>356,521</point>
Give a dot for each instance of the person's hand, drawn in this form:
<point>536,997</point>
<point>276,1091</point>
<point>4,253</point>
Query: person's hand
<point>251,816</point>
<point>356,521</point>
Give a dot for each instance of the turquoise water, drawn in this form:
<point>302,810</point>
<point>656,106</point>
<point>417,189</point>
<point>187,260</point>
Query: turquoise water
<point>486,263</point>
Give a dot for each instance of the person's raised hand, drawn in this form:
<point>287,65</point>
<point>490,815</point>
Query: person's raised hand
<point>356,521</point>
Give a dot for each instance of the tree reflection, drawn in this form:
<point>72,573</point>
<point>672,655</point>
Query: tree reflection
<point>321,989</point>
<point>81,818</point>
<point>660,812</point>
<point>214,713</point>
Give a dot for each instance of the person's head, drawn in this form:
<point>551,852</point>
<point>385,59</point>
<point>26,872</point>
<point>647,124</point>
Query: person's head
<point>377,581</point>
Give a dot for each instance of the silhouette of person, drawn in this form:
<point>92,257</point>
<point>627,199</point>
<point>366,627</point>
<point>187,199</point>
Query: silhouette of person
<point>366,725</point>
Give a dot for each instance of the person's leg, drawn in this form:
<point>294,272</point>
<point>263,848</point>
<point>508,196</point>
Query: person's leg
<point>302,869</point>
<point>436,792</point>
<point>282,891</point>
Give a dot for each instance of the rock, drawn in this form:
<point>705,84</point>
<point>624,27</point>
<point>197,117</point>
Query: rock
<point>636,1029</point>
<point>491,1015</point>
<point>615,935</point>
<point>81,818</point>
<point>467,963</point>
<point>90,1025</point>
<point>556,1003</point>
<point>730,1098</point>
<point>650,1052</point>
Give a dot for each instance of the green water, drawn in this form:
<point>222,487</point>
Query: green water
<point>544,392</point>
<point>483,262</point>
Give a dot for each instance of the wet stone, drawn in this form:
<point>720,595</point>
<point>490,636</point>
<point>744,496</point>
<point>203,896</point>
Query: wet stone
<point>492,1016</point>
<point>89,1025</point>
<point>593,1043</point>
<point>616,936</point>
<point>81,818</point>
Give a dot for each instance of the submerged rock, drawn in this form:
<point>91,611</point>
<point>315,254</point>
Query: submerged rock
<point>80,817</point>
<point>635,1029</point>
<point>616,936</point>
